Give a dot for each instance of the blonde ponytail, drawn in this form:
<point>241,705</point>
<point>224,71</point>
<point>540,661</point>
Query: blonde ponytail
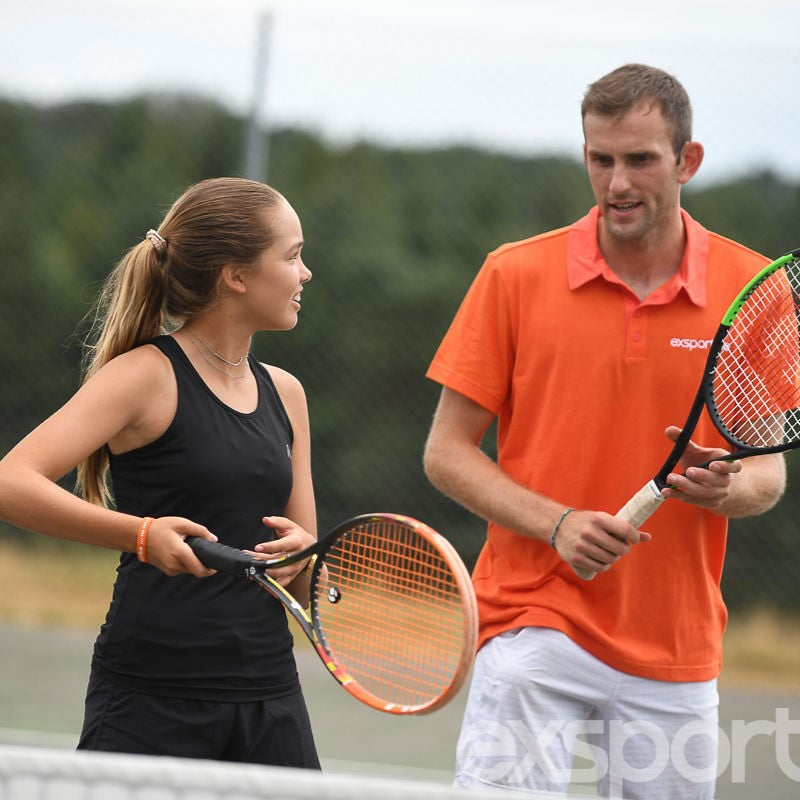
<point>128,313</point>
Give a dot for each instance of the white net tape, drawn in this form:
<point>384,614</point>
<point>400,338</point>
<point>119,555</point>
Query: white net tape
<point>28,773</point>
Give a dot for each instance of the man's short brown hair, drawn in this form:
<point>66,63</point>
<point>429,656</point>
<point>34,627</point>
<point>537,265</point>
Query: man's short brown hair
<point>632,85</point>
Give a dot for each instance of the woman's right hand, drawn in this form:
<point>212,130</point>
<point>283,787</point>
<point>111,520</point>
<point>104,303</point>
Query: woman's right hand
<point>167,550</point>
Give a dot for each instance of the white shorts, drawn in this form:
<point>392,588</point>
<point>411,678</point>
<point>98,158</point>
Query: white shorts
<point>537,700</point>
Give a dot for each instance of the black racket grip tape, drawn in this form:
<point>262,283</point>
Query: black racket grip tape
<point>221,557</point>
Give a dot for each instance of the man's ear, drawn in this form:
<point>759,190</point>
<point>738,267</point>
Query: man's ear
<point>232,279</point>
<point>691,159</point>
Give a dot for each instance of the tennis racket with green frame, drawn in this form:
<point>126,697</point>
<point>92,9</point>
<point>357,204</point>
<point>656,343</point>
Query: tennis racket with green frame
<point>751,382</point>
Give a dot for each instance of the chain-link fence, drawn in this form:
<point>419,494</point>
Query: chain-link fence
<point>394,236</point>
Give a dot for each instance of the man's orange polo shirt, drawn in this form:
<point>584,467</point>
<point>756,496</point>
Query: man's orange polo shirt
<point>584,378</point>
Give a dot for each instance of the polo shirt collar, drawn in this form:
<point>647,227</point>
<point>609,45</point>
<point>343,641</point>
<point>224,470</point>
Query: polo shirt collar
<point>585,262</point>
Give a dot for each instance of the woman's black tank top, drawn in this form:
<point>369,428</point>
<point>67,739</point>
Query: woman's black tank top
<point>210,638</point>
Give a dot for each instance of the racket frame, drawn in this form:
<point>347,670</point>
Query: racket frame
<point>463,582</point>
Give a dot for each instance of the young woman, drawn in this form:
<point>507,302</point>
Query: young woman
<point>200,440</point>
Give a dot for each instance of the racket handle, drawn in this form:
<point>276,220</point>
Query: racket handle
<point>584,574</point>
<point>636,511</point>
<point>221,557</point>
<point>642,505</point>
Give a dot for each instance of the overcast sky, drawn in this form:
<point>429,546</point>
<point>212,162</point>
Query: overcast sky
<point>506,74</point>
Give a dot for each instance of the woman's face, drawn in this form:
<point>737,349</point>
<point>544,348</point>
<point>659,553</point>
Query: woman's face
<point>276,279</point>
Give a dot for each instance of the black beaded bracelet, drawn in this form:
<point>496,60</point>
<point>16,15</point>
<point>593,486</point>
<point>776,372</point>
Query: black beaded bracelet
<point>557,526</point>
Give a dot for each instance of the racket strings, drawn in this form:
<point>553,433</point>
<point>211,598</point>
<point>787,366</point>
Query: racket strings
<point>392,612</point>
<point>756,380</point>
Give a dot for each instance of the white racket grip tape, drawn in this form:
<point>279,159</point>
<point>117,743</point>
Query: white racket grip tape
<point>642,505</point>
<point>585,574</point>
<point>635,512</point>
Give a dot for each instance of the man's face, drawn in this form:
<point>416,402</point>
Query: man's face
<point>633,173</point>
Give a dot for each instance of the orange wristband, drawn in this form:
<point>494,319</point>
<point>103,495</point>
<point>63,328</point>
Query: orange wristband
<point>141,539</point>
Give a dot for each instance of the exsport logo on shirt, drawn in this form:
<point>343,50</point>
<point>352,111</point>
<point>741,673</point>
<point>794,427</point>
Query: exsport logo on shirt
<point>690,344</point>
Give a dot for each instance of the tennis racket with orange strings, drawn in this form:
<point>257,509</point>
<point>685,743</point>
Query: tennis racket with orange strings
<point>751,383</point>
<point>392,611</point>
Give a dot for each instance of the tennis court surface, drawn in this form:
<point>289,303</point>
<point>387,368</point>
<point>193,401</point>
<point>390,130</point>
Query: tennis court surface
<point>365,754</point>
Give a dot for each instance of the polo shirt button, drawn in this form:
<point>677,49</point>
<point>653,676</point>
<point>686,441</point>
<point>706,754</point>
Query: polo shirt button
<point>636,336</point>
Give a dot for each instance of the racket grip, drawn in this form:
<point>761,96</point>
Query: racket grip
<point>584,574</point>
<point>221,557</point>
<point>642,505</point>
<point>636,511</point>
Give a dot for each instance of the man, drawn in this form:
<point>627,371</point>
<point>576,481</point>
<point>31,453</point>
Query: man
<point>576,341</point>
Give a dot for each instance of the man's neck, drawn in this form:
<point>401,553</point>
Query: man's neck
<point>644,264</point>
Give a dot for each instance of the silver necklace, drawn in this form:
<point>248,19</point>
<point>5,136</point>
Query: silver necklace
<point>216,366</point>
<point>217,355</point>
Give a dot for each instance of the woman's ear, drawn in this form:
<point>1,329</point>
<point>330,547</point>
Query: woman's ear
<point>232,279</point>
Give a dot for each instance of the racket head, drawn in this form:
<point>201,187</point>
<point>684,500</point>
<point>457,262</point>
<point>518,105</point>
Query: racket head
<point>752,388</point>
<point>394,613</point>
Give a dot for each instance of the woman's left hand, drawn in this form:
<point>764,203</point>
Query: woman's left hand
<point>289,538</point>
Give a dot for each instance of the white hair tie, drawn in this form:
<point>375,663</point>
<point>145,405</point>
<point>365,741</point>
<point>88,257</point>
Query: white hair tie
<point>157,240</point>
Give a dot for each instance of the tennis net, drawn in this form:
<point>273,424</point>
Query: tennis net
<point>28,773</point>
